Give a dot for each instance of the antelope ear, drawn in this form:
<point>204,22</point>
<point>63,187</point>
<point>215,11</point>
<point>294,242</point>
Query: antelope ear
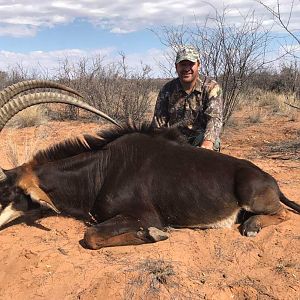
<point>38,195</point>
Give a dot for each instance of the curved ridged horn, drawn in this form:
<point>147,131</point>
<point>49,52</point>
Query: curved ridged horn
<point>23,86</point>
<point>2,175</point>
<point>17,104</point>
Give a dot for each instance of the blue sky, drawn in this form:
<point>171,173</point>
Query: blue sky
<point>40,33</point>
<point>80,34</point>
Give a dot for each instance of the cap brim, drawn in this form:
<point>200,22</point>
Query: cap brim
<point>186,58</point>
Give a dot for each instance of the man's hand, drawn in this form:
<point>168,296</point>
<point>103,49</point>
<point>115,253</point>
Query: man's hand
<point>207,145</point>
<point>160,122</point>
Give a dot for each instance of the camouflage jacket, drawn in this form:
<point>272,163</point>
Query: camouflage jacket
<point>200,112</point>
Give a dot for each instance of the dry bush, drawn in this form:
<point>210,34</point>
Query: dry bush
<point>31,116</point>
<point>257,100</point>
<point>260,104</point>
<point>294,116</point>
<point>232,122</point>
<point>116,89</point>
<point>257,116</point>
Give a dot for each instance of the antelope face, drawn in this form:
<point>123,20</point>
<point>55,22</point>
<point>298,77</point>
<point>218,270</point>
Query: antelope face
<point>13,203</point>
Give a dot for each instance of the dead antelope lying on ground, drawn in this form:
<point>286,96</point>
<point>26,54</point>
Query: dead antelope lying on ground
<point>137,181</point>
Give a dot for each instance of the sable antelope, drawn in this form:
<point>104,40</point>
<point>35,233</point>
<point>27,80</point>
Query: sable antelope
<point>137,181</point>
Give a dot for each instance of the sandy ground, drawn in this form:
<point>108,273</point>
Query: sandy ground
<point>47,261</point>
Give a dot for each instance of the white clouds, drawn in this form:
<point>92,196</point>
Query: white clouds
<point>24,18</point>
<point>48,61</point>
<point>120,30</point>
<point>120,16</point>
<point>17,30</point>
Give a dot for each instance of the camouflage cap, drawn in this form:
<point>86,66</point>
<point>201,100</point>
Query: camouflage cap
<point>187,53</point>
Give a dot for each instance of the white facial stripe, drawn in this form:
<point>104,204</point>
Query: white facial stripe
<point>9,214</point>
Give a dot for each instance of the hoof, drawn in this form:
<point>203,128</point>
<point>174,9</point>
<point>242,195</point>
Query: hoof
<point>251,227</point>
<point>250,233</point>
<point>91,239</point>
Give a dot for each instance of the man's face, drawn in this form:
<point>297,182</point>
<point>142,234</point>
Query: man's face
<point>187,71</point>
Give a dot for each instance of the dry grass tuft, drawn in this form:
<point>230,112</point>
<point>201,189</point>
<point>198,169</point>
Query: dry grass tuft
<point>150,277</point>
<point>258,98</point>
<point>257,116</point>
<point>159,270</point>
<point>32,116</point>
<point>260,104</point>
<point>17,155</point>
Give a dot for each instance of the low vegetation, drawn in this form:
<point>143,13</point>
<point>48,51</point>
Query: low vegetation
<point>130,94</point>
